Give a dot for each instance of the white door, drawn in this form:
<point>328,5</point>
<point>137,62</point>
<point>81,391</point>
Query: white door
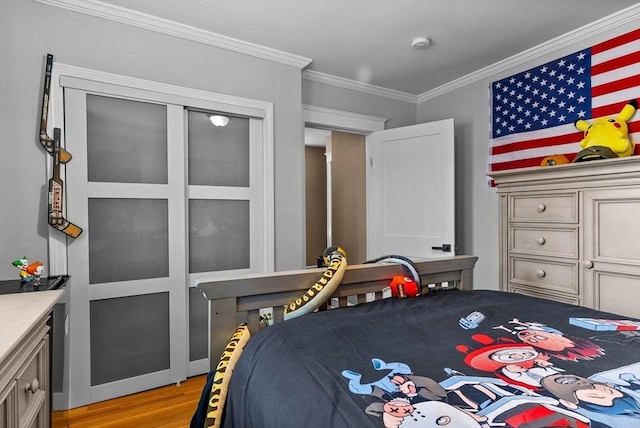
<point>411,188</point>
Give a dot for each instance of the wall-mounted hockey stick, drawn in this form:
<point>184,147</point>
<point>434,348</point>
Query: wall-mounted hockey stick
<point>45,140</point>
<point>56,191</point>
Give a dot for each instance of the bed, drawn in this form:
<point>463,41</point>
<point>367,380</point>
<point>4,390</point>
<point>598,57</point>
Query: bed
<point>454,356</point>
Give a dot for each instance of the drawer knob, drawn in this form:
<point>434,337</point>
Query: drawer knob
<point>540,241</point>
<point>540,273</point>
<point>541,207</point>
<point>587,264</point>
<point>33,386</point>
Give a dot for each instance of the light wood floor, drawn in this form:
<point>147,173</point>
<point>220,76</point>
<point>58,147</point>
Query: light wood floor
<point>167,407</point>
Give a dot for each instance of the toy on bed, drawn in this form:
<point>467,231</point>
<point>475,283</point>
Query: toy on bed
<point>335,260</point>
<point>402,286</point>
<point>607,137</point>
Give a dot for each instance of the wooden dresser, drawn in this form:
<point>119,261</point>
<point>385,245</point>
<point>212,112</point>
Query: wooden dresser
<point>571,233</point>
<point>24,359</point>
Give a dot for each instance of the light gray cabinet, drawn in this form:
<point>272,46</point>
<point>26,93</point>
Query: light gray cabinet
<point>571,233</point>
<point>24,358</point>
<point>24,400</point>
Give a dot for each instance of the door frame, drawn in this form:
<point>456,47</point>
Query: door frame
<point>80,392</point>
<point>345,121</point>
<point>58,242</point>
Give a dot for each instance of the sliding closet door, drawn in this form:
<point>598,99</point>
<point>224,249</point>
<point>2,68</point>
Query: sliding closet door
<point>224,212</point>
<point>164,198</point>
<point>129,285</point>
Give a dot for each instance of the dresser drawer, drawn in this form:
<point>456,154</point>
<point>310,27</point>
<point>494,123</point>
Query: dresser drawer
<point>547,275</point>
<point>536,292</point>
<point>558,242</point>
<point>562,208</point>
<point>32,385</point>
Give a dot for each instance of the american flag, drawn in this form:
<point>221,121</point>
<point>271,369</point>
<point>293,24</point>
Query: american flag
<point>533,112</point>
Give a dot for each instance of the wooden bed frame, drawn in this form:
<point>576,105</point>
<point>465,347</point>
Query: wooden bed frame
<point>237,300</point>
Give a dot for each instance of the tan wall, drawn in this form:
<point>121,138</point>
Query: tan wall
<point>348,189</point>
<point>316,202</point>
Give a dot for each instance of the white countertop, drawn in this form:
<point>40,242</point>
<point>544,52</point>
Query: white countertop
<point>19,313</point>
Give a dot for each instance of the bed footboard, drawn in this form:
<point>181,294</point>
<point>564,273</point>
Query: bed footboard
<point>243,299</point>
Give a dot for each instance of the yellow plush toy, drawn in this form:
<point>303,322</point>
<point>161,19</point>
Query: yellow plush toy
<point>606,137</point>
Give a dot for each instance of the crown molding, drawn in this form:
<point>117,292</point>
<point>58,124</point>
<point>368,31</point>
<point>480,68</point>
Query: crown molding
<point>148,22</point>
<point>340,82</point>
<point>126,16</point>
<point>340,119</point>
<point>607,23</point>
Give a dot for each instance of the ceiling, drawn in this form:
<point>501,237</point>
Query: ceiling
<point>369,41</point>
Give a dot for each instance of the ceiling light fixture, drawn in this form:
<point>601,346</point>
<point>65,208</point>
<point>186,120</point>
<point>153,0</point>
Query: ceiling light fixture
<point>218,120</point>
<point>420,42</point>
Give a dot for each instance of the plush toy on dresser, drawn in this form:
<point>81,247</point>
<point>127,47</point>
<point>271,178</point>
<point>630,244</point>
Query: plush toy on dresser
<point>604,138</point>
<point>607,137</point>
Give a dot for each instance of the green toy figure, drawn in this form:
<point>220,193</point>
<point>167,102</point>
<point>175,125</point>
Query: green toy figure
<point>29,272</point>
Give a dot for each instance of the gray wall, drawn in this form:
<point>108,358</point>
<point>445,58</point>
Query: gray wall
<point>476,203</point>
<point>398,113</point>
<point>29,30</point>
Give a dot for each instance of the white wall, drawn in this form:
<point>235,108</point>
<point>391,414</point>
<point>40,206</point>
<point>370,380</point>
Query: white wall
<point>477,204</point>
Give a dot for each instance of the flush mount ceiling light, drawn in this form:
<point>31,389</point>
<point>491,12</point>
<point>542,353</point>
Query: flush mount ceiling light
<point>218,120</point>
<point>420,42</point>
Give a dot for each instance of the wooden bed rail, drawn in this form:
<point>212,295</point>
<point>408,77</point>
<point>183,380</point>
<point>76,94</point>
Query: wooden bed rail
<point>243,299</point>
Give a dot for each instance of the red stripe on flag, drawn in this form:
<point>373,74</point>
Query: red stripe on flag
<point>524,163</point>
<point>608,110</point>
<point>616,85</point>
<point>521,163</point>
<point>621,61</point>
<point>540,142</point>
<point>616,41</point>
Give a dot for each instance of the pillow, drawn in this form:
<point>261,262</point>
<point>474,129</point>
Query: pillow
<point>223,373</point>
<point>335,258</point>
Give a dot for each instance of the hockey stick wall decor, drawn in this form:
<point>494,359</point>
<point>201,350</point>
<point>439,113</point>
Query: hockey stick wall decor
<point>45,139</point>
<point>56,192</point>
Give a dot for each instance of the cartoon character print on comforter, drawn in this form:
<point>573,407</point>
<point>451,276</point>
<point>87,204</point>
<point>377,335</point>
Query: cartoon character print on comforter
<point>524,382</point>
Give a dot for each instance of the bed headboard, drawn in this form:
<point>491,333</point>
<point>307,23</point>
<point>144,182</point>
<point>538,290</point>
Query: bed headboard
<point>237,300</point>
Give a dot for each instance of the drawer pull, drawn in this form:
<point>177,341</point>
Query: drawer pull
<point>541,207</point>
<point>587,264</point>
<point>33,386</point>
<point>540,273</point>
<point>540,241</point>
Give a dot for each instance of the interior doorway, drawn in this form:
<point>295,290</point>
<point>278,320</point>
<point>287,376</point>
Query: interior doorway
<point>335,193</point>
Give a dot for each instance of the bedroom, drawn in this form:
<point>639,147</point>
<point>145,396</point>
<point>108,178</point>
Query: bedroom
<point>37,28</point>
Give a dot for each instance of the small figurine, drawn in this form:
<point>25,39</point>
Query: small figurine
<point>29,271</point>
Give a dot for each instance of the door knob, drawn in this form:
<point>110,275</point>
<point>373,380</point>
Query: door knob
<point>445,247</point>
<point>587,264</point>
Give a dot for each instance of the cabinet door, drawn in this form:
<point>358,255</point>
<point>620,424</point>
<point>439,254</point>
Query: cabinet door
<point>611,256</point>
